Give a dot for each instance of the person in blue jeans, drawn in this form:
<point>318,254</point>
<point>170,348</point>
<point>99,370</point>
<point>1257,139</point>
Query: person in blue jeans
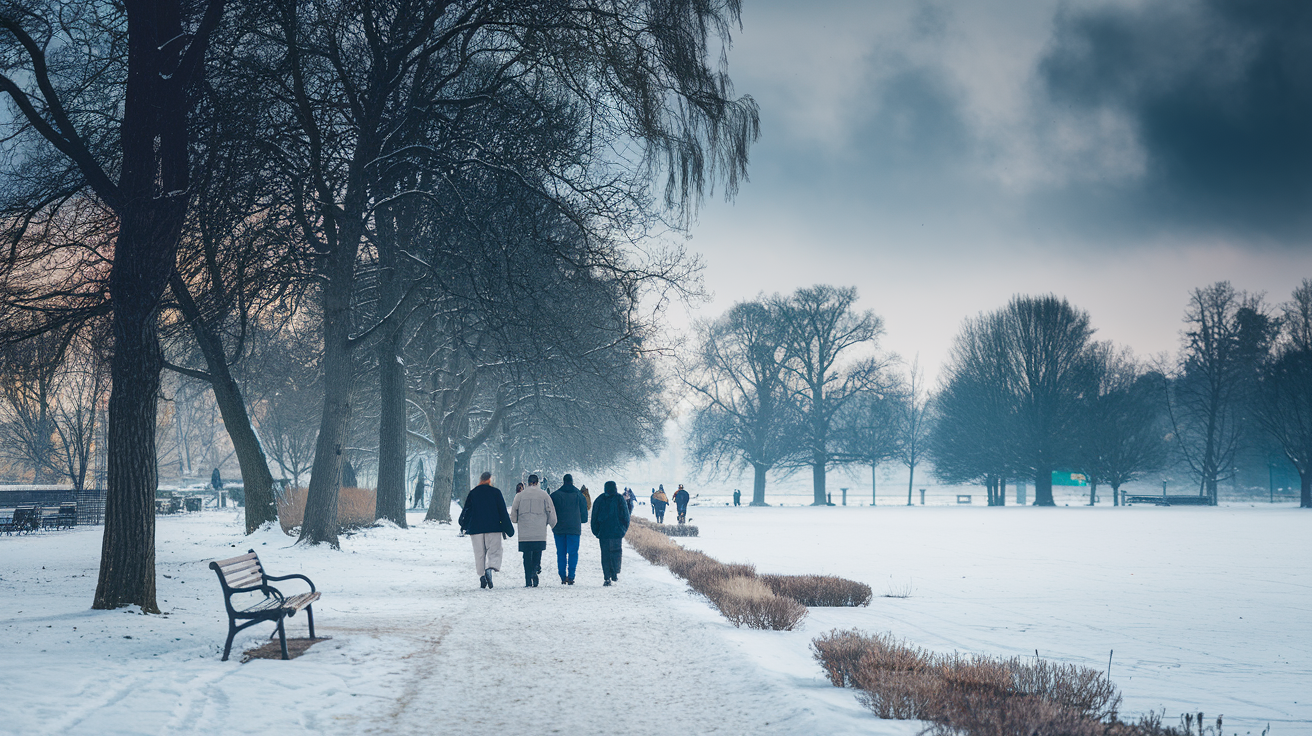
<point>571,515</point>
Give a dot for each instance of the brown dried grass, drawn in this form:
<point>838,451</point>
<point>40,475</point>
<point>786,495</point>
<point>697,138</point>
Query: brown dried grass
<point>669,530</point>
<point>355,508</point>
<point>820,590</point>
<point>970,694</point>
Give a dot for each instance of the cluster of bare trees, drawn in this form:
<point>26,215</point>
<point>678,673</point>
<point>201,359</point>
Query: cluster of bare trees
<point>1028,391</point>
<point>786,382</point>
<point>408,225</point>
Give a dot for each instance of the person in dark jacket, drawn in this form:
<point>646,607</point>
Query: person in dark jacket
<point>737,497</point>
<point>571,513</point>
<point>658,504</point>
<point>681,503</point>
<point>630,500</point>
<point>484,518</point>
<point>610,522</point>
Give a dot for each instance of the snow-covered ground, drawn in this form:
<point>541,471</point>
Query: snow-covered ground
<point>1206,609</point>
<point>416,648</point>
<point>1201,609</point>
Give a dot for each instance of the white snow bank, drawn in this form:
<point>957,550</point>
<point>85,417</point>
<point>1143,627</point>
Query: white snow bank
<point>1206,609</point>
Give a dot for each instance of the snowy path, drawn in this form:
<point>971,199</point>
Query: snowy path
<point>417,647</point>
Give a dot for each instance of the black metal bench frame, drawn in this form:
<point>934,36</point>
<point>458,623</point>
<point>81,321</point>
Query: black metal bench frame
<point>245,574</point>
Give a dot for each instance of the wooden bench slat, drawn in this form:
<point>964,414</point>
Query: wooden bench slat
<point>238,569</point>
<point>234,560</point>
<point>244,581</point>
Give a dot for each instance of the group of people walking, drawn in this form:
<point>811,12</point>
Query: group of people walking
<point>486,520</point>
<point>659,501</point>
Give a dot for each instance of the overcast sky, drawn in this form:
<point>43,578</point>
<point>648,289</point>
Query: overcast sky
<point>943,156</point>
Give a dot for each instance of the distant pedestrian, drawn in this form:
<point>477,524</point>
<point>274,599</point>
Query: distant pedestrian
<point>485,519</point>
<point>571,514</point>
<point>737,497</point>
<point>419,489</point>
<point>658,504</point>
<point>681,503</point>
<point>630,500</point>
<point>610,522</point>
<point>518,488</point>
<point>533,511</point>
<point>216,480</point>
<point>587,497</point>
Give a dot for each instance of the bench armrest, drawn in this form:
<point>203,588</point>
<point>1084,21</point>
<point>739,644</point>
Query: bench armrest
<point>293,576</point>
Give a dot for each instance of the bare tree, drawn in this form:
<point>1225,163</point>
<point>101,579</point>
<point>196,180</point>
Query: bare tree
<point>743,415</point>
<point>914,425</point>
<point>1124,428</point>
<point>1284,395</point>
<point>824,337</point>
<point>1210,392</point>
<point>869,430</point>
<point>57,57</point>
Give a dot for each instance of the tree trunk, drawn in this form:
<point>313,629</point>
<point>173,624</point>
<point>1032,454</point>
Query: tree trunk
<point>911,482</point>
<point>1043,488</point>
<point>1093,494</point>
<point>758,484</point>
<point>320,520</point>
<point>874,485</point>
<point>818,462</point>
<point>1305,495</point>
<point>261,507</point>
<point>1116,494</point>
<point>153,183</point>
<point>460,483</point>
<point>1002,491</point>
<point>439,507</point>
<point>390,503</point>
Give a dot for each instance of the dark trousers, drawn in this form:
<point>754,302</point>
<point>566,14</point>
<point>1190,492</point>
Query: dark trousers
<point>532,563</point>
<point>660,514</point>
<point>683,514</point>
<point>567,554</point>
<point>611,550</point>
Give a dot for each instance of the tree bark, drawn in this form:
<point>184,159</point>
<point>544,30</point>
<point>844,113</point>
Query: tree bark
<point>818,462</point>
<point>320,521</point>
<point>758,484</point>
<point>439,508</point>
<point>1043,488</point>
<point>1002,491</point>
<point>390,503</point>
<point>1305,495</point>
<point>911,482</point>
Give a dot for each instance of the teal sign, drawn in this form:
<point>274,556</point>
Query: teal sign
<point>1061,478</point>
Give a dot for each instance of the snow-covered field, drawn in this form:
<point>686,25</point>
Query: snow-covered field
<point>1206,609</point>
<point>1202,609</point>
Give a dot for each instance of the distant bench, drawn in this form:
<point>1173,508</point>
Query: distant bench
<point>245,574</point>
<point>1190,500</point>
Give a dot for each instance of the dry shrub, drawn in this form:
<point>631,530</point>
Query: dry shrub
<point>669,530</point>
<point>970,694</point>
<point>820,590</point>
<point>746,601</point>
<point>355,508</point>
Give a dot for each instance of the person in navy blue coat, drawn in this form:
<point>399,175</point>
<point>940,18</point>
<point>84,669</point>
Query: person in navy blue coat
<point>485,519</point>
<point>610,522</point>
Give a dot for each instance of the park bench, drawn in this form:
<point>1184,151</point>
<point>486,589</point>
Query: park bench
<point>25,519</point>
<point>245,574</point>
<point>66,518</point>
<point>1189,500</point>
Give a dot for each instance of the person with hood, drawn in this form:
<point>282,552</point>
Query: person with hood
<point>658,504</point>
<point>681,503</point>
<point>587,497</point>
<point>630,500</point>
<point>610,522</point>
<point>533,511</point>
<point>571,513</point>
<point>485,520</point>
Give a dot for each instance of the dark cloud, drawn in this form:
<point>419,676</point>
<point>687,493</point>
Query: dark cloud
<point>1219,93</point>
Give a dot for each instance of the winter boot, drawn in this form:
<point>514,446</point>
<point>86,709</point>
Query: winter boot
<point>570,581</point>
<point>488,575</point>
<point>607,583</point>
<point>482,581</point>
<point>564,580</point>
